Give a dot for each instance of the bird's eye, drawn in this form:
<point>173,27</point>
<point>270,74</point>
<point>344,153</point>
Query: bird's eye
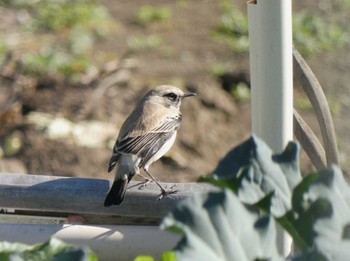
<point>171,96</point>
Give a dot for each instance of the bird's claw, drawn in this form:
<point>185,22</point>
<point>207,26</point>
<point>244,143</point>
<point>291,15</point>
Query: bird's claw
<point>146,182</point>
<point>165,192</point>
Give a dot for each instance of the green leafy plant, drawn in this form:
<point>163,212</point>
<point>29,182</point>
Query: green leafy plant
<point>148,14</point>
<point>53,249</point>
<point>145,43</point>
<point>303,103</point>
<point>241,92</point>
<point>257,190</point>
<point>56,16</point>
<point>217,226</point>
<point>233,30</point>
<point>59,36</point>
<point>167,256</point>
<point>311,33</point>
<point>334,103</point>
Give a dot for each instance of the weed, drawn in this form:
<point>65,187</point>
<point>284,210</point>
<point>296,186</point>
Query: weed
<point>311,33</point>
<point>141,42</point>
<point>233,30</point>
<point>241,92</point>
<point>148,14</point>
<point>303,103</point>
<point>334,104</point>
<point>62,34</point>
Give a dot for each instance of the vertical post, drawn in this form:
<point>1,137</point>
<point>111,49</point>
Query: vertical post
<point>271,66</point>
<point>254,66</point>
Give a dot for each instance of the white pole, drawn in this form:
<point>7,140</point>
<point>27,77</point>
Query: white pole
<point>271,65</point>
<point>254,66</point>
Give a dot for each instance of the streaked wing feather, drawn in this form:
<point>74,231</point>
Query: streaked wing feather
<point>155,146</point>
<point>134,145</point>
<point>113,161</point>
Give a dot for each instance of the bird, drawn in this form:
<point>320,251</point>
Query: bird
<point>144,137</point>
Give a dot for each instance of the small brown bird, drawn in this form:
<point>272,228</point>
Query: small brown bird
<point>146,135</point>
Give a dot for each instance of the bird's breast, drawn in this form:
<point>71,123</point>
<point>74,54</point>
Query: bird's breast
<point>164,149</point>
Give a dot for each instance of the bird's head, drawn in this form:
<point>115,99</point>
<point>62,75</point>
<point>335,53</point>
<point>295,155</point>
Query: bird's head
<point>167,95</point>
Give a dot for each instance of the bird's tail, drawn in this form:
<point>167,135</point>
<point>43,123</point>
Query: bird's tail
<point>124,174</point>
<point>116,194</point>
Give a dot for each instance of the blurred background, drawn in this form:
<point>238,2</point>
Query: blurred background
<point>71,71</point>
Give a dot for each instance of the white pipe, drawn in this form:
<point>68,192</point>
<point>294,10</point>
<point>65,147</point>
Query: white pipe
<point>271,65</point>
<point>270,32</point>
<point>254,66</point>
<point>108,242</point>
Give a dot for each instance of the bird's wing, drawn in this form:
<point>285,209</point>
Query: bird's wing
<point>143,143</point>
<point>144,126</point>
<point>113,161</point>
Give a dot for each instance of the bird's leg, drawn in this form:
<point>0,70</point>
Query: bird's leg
<point>145,178</point>
<point>146,181</point>
<point>164,191</point>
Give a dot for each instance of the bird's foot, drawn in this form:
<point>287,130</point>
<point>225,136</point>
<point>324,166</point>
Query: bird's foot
<point>165,192</point>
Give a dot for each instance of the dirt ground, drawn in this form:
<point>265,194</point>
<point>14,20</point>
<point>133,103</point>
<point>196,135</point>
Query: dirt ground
<point>213,122</point>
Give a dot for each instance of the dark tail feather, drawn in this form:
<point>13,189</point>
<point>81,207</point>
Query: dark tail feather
<point>116,194</point>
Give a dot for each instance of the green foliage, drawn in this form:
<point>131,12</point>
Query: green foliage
<point>53,249</point>
<point>56,15</point>
<point>227,5</point>
<point>233,30</point>
<point>334,104</point>
<point>219,69</point>
<point>315,211</point>
<point>311,33</point>
<point>241,92</point>
<point>53,62</point>
<point>3,50</point>
<point>148,14</point>
<point>259,177</point>
<point>167,256</point>
<point>320,214</point>
<point>60,36</point>
<point>258,189</point>
<point>303,103</point>
<point>217,226</point>
<point>145,43</point>
<point>144,258</point>
<point>12,143</point>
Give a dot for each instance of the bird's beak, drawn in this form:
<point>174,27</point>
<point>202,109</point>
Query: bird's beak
<point>189,94</point>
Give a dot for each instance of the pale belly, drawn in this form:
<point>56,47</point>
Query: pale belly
<point>160,153</point>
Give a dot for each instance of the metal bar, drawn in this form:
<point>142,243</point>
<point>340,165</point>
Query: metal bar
<point>304,77</point>
<point>309,142</point>
<point>83,196</point>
